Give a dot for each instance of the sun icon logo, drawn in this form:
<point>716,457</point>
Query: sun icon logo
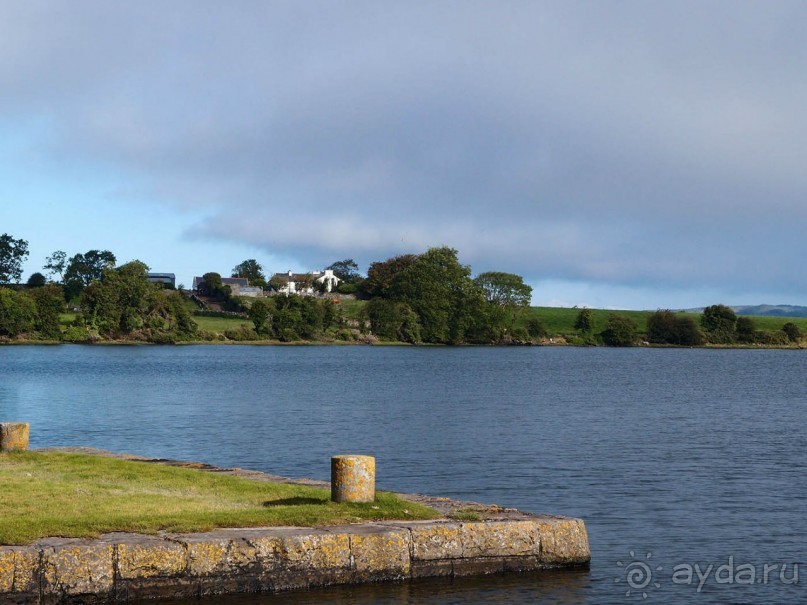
<point>638,574</point>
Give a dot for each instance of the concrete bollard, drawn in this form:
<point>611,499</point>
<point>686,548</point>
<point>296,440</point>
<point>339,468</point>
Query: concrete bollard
<point>352,478</point>
<point>14,436</point>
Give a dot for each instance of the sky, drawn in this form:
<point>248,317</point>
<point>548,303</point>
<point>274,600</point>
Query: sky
<point>616,154</point>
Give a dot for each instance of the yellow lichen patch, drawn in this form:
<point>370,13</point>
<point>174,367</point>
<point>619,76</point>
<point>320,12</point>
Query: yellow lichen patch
<point>6,570</point>
<point>564,541</point>
<point>437,541</point>
<point>266,549</point>
<point>80,569</point>
<point>385,552</point>
<point>206,557</point>
<point>320,551</point>
<point>500,539</point>
<point>150,559</point>
<point>17,568</point>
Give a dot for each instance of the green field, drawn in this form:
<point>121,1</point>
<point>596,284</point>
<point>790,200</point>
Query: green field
<point>220,324</point>
<point>78,495</point>
<point>560,321</point>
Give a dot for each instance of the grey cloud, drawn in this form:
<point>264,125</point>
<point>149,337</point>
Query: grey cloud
<point>629,143</point>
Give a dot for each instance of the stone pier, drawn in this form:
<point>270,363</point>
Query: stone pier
<point>470,539</point>
<point>118,567</point>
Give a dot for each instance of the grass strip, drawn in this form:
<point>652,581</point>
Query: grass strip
<point>78,495</point>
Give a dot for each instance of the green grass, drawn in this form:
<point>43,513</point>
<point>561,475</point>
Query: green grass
<point>465,515</point>
<point>65,319</point>
<point>560,321</point>
<point>220,324</point>
<point>351,307</point>
<point>775,323</point>
<point>77,495</point>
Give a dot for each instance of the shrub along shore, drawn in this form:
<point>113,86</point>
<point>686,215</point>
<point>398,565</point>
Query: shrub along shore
<point>556,327</point>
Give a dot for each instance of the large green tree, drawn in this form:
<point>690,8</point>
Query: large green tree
<point>83,269</point>
<point>125,304</point>
<point>167,317</point>
<point>12,254</point>
<point>666,327</point>
<point>252,270</point>
<point>260,312</point>
<point>213,286</point>
<point>585,321</point>
<point>36,280</point>
<point>117,304</point>
<point>17,312</point>
<point>381,274</point>
<point>719,324</point>
<point>620,331</point>
<point>391,320</point>
<point>793,331</point>
<point>506,289</point>
<point>440,290</point>
<point>507,294</point>
<point>55,264</point>
<point>347,270</point>
<point>746,329</point>
<point>49,301</point>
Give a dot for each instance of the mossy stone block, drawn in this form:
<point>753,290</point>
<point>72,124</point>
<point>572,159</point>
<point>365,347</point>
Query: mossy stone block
<point>14,436</point>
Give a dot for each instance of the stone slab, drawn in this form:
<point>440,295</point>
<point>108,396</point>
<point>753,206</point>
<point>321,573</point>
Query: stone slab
<point>120,567</point>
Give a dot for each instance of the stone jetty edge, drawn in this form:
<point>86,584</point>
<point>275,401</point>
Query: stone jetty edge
<point>121,567</point>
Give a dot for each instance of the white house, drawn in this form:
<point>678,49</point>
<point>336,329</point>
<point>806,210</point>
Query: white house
<point>304,283</point>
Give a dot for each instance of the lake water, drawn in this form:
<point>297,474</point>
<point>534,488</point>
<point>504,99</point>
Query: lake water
<point>687,464</point>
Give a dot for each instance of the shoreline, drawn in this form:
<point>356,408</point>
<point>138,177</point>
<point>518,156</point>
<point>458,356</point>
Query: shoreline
<point>338,343</point>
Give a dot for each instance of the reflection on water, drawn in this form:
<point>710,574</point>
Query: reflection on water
<point>562,587</point>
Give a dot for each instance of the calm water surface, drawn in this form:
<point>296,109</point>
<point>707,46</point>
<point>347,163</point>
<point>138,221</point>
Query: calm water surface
<point>681,457</point>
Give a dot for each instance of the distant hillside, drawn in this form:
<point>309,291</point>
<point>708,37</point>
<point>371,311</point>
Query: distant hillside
<point>765,310</point>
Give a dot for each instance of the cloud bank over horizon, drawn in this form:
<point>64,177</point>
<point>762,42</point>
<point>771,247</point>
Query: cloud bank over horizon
<point>641,147</point>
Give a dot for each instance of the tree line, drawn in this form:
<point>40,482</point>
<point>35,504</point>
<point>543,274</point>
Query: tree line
<point>108,301</point>
<point>717,325</point>
<point>122,303</point>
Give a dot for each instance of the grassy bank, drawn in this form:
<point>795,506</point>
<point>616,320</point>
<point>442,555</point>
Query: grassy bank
<point>77,495</point>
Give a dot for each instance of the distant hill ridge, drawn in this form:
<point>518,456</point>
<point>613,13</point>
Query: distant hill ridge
<point>765,310</point>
